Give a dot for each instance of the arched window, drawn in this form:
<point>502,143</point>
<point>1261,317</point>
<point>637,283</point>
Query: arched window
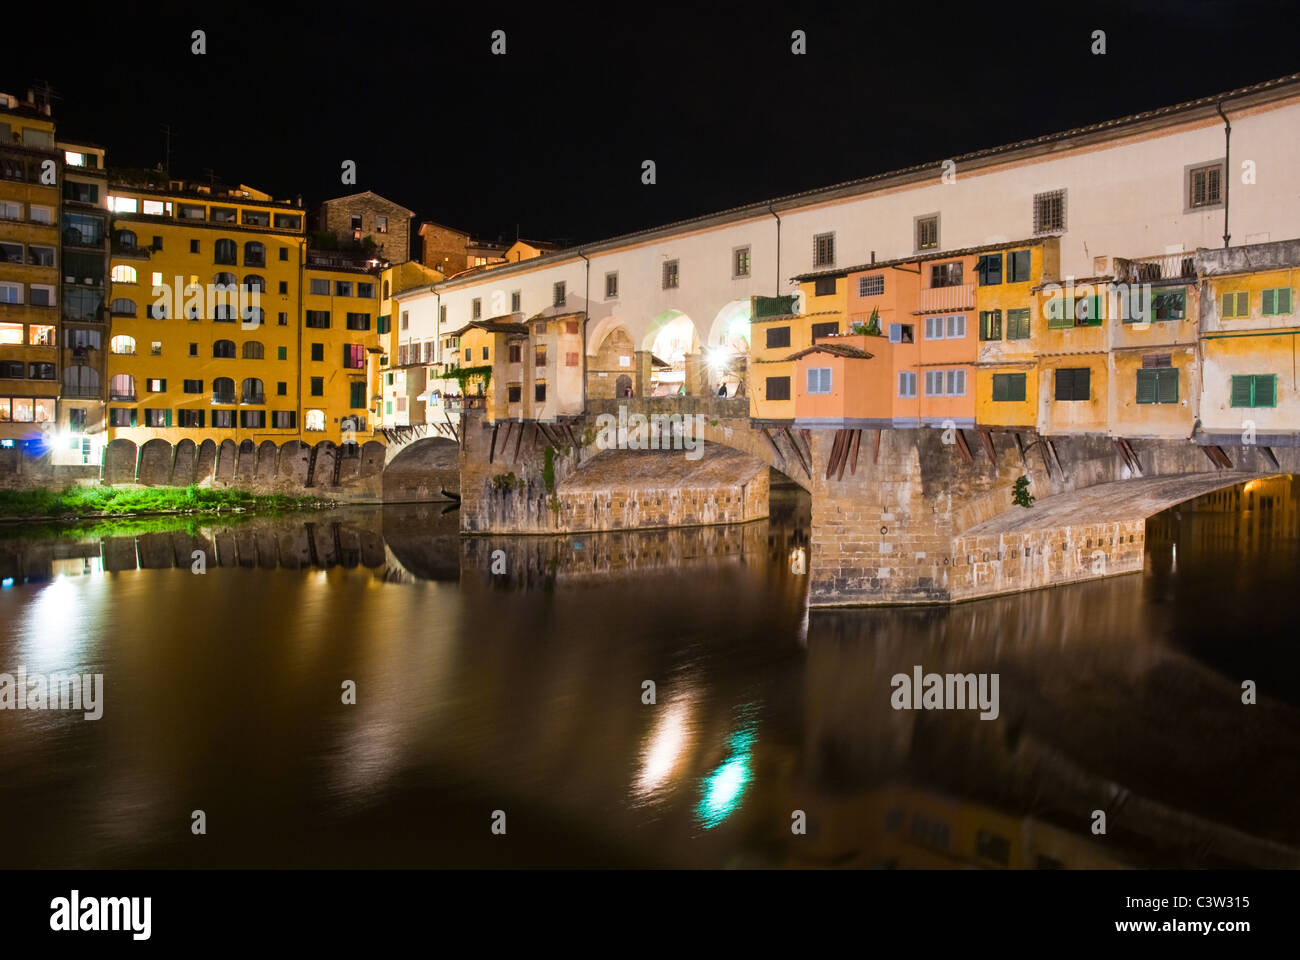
<point>254,316</point>
<point>385,289</point>
<point>250,391</point>
<point>122,307</point>
<point>224,349</point>
<point>122,344</point>
<point>122,387</point>
<point>225,251</point>
<point>223,390</point>
<point>253,350</point>
<point>123,274</point>
<point>80,381</point>
<point>126,239</point>
<point>255,282</point>
<point>254,254</point>
<point>315,420</point>
<point>226,281</point>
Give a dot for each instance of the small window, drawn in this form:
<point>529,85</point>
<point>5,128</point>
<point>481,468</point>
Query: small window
<point>829,329</point>
<point>824,250</point>
<point>318,287</point>
<point>778,337</point>
<point>1008,387</point>
<point>989,269</point>
<point>1158,385</point>
<point>318,351</point>
<point>539,355</point>
<point>1254,390</point>
<point>819,379</point>
<point>475,310</point>
<point>193,386</point>
<point>740,262</point>
<point>1018,324</point>
<point>1073,383</point>
<point>1018,263</point>
<point>872,285</point>
<point>611,286</point>
<point>671,277</point>
<point>946,274</point>
<point>901,333</point>
<point>956,326</point>
<point>1276,302</point>
<point>514,352</point>
<point>823,286</point>
<point>927,232</point>
<point>539,393</point>
<point>513,394</point>
<point>1205,186</point>
<point>559,294</point>
<point>318,387</point>
<point>990,324</point>
<point>516,301</point>
<point>1049,212</point>
<point>907,384</point>
<point>571,358</point>
<point>778,388</point>
<point>342,288</point>
<point>1235,304</point>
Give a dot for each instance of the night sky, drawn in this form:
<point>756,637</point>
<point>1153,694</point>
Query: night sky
<point>551,136</point>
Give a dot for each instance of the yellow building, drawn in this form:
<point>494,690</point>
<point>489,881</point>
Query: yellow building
<point>30,170</point>
<point>206,323</point>
<point>340,347</point>
<point>1251,332</point>
<point>1009,326</point>
<point>780,327</point>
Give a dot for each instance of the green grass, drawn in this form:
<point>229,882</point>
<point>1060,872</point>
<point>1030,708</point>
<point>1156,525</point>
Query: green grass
<point>113,501</point>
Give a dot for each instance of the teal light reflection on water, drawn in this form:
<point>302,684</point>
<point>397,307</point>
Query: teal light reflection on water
<point>724,788</point>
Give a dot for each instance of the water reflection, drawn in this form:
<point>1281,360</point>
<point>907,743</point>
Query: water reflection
<point>511,674</point>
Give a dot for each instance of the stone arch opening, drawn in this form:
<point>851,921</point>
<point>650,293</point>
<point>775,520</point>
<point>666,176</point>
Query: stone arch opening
<point>674,345</point>
<point>726,353</point>
<point>425,470</point>
<point>611,361</point>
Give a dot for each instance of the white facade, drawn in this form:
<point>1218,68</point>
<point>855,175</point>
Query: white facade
<point>1126,195</point>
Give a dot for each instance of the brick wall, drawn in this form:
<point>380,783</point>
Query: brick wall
<point>336,217</point>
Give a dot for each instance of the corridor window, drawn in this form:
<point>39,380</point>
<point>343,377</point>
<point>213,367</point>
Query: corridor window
<point>927,232</point>
<point>824,250</point>
<point>1205,186</point>
<point>740,262</point>
<point>1049,212</point>
<point>819,380</point>
<point>828,329</point>
<point>671,276</point>
<point>871,286</point>
<point>611,286</point>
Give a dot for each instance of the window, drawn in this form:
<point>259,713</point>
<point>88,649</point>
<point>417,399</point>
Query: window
<point>990,324</point>
<point>778,388</point>
<point>253,350</point>
<point>40,371</point>
<point>1254,390</point>
<point>383,323</point>
<point>252,419</point>
<point>571,327</point>
<point>539,393</point>
<point>1158,385</point>
<point>778,337</point>
<point>829,329</point>
<point>907,384</point>
<point>560,297</point>
<point>314,420</point>
<point>1072,383</point>
<point>223,391</point>
<point>354,356</point>
<point>122,204</point>
<point>571,358</point>
<point>194,246</point>
<point>989,269</point>
<point>281,388</point>
<point>945,383</point>
<point>824,250</point>
<point>513,393</point>
<point>740,262</point>
<point>872,285</point>
<point>1204,186</point>
<point>287,221</point>
<point>342,288</point>
<point>40,256</point>
<point>1018,324</point>
<point>283,419</point>
<point>516,301</point>
<point>1018,266</point>
<point>250,391</point>
<point>39,213</point>
<point>952,327</point>
<point>194,349</point>
<point>318,387</point>
<point>514,352</point>
<point>819,379</point>
<point>358,321</point>
<point>225,251</point>
<point>192,386</point>
<point>318,319</point>
<point>1064,312</point>
<point>223,214</point>
<point>901,333</point>
<point>356,223</point>
<point>155,385</point>
<point>956,326</point>
<point>123,274</point>
<point>77,192</point>
<point>475,310</point>
<point>191,418</point>
<point>121,417</point>
<point>11,252</point>
<point>1008,387</point>
<point>318,287</point>
<point>945,274</point>
<point>381,224</point>
<point>539,355</point>
<point>318,352</point>
<point>224,349</point>
<point>927,232</point>
<point>1049,212</point>
<point>122,387</point>
<point>611,286</point>
<point>824,286</point>
<point>40,295</point>
<point>11,369</point>
<point>357,395</point>
<point>122,345</point>
<point>1276,302</point>
<point>1170,305</point>
<point>255,218</point>
<point>223,419</point>
<point>122,307</point>
<point>157,418</point>
<point>1236,304</point>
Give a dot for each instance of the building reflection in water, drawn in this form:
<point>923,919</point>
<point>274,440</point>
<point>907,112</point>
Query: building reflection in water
<point>523,690</point>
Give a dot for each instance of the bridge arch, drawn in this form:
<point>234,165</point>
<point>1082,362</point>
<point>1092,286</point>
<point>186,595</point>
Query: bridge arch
<point>423,470</point>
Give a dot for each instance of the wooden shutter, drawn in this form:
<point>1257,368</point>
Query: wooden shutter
<point>1147,386</point>
<point>1167,381</point>
<point>1243,304</point>
<point>1064,384</point>
<point>1267,301</point>
<point>1265,390</point>
<point>1241,391</point>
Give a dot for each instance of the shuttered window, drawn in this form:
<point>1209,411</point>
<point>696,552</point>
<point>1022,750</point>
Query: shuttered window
<point>1235,304</point>
<point>1276,302</point>
<point>990,324</point>
<point>1008,387</point>
<point>1073,383</point>
<point>778,388</point>
<point>825,329</point>
<point>990,269</point>
<point>819,380</point>
<point>1157,385</point>
<point>1018,324</point>
<point>778,336</point>
<point>1254,390</point>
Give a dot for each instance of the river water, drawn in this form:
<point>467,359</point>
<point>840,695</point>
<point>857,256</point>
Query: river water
<point>516,700</point>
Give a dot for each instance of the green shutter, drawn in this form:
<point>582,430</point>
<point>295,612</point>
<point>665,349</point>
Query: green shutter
<point>167,418</point>
<point>1226,309</point>
<point>1284,300</point>
<point>1267,300</point>
<point>135,417</point>
<point>1167,379</point>
<point>1241,392</point>
<point>1147,386</point>
<point>1243,304</point>
<point>1000,387</point>
<point>1265,390</point>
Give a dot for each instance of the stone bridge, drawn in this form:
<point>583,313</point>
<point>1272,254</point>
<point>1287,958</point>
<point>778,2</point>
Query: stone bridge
<point>899,516</point>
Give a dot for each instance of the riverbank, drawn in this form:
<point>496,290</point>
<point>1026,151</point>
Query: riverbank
<point>100,504</point>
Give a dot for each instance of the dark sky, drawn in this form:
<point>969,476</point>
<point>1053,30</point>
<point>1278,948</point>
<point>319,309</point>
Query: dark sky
<point>552,135</point>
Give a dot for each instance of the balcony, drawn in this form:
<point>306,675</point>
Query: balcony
<point>1169,266</point>
<point>129,397</point>
<point>942,299</point>
<point>223,397</point>
<point>86,393</point>
<point>248,397</point>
